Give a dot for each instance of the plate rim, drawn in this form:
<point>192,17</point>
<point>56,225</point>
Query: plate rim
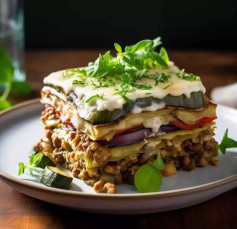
<point>161,194</point>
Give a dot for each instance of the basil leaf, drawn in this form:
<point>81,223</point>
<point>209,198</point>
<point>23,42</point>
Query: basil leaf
<point>148,179</point>
<point>226,143</point>
<point>21,87</point>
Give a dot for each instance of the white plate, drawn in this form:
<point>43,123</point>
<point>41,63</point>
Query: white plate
<point>21,128</point>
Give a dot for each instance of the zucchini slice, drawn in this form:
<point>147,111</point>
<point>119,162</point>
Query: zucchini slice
<point>45,161</point>
<point>54,177</point>
<point>195,100</point>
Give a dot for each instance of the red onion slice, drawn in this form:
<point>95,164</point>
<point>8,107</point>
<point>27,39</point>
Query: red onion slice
<point>127,139</point>
<point>135,136</point>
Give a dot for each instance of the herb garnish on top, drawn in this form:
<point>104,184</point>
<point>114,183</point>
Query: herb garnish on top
<point>128,67</point>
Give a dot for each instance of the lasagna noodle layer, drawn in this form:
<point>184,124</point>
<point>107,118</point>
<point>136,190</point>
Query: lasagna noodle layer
<point>184,149</point>
<point>96,132</point>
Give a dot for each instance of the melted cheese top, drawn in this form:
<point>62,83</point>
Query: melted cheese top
<point>111,101</point>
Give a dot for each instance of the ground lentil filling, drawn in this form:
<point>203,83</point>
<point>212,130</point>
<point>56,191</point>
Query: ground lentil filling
<point>90,161</point>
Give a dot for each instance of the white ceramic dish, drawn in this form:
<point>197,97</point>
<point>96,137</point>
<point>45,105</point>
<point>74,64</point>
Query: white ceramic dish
<point>21,128</point>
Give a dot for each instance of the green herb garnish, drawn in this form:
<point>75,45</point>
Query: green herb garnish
<point>32,166</point>
<point>79,82</point>
<point>7,82</point>
<point>168,86</point>
<point>130,64</point>
<point>226,143</point>
<point>187,76</point>
<point>161,78</point>
<point>148,177</point>
<point>97,96</point>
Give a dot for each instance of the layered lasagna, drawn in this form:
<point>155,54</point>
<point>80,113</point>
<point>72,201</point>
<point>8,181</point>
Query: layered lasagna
<point>104,122</point>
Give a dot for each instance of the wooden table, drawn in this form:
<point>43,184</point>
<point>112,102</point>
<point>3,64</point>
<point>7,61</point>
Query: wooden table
<point>20,211</point>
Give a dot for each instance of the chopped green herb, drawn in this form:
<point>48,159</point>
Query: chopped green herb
<point>168,86</point>
<point>161,78</point>
<point>187,76</point>
<point>143,87</point>
<point>148,177</point>
<point>148,93</point>
<point>79,82</point>
<point>226,143</point>
<point>94,97</point>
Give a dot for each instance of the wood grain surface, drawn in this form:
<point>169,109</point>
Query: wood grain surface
<point>20,211</point>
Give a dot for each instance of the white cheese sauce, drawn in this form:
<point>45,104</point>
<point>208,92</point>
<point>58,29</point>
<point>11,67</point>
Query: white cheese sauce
<point>111,101</point>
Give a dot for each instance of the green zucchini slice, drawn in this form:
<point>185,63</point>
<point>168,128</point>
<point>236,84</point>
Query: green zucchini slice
<point>195,100</point>
<point>54,177</point>
<point>45,161</point>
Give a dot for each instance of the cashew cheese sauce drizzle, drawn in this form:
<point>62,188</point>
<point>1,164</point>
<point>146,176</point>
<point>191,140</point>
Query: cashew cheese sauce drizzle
<point>111,101</point>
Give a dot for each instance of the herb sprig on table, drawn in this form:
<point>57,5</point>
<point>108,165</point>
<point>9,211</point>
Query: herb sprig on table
<point>7,82</point>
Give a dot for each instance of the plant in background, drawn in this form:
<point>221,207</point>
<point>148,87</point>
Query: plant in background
<point>7,83</point>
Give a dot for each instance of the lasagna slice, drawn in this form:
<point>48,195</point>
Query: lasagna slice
<point>103,125</point>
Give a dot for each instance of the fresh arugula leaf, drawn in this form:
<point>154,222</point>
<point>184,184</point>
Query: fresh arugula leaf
<point>226,143</point>
<point>148,177</point>
<point>94,97</point>
<point>21,87</point>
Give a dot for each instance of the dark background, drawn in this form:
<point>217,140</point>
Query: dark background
<point>203,24</point>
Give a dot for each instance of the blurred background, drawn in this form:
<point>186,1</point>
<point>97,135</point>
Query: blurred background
<point>184,24</point>
<point>44,36</point>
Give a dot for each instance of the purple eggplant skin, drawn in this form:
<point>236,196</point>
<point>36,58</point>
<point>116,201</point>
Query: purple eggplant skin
<point>132,137</point>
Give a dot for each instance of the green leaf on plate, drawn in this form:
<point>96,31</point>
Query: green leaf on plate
<point>148,179</point>
<point>226,143</point>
